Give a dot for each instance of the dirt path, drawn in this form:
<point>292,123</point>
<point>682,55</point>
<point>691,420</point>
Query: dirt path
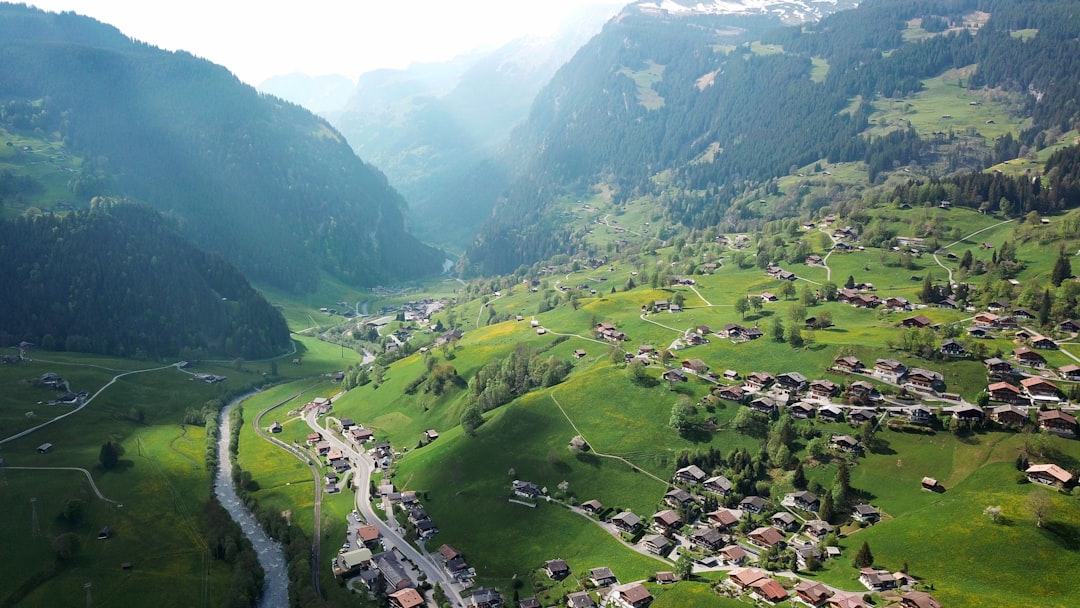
<point>93,486</point>
<point>949,270</point>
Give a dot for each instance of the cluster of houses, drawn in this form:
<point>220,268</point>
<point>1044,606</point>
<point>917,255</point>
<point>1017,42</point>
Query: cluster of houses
<point>761,586</point>
<point>608,590</point>
<point>607,331</point>
<point>422,310</point>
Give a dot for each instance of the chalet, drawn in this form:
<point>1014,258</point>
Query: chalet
<point>865,301</point>
<point>846,600</point>
<point>732,555</point>
<point>1006,322</point>
<point>847,233</point>
<point>952,348</point>
<point>804,500</point>
<point>766,537</point>
<point>626,522</point>
<point>731,375</point>
<point>848,364</point>
<point>529,602</point>
<point>690,474</point>
<point>322,447</point>
<point>667,520</point>
<point>742,578</point>
<point>813,260</point>
<point>923,379</point>
<point>665,577</point>
<point>865,513</point>
<point>1023,335</point>
<point>784,521</point>
<point>801,410</point>
<point>860,415</point>
<point>1040,389</point>
<point>730,393</point>
<point>1070,372</point>
<point>889,370</point>
<point>602,577</point>
<point>579,354</point>
<point>964,412</point>
<point>830,413</point>
<point>678,498</point>
<point>275,428</point>
<point>391,570</point>
<point>931,484</point>
<point>557,569</point>
<point>769,590</point>
<point>484,598</point>
<point>631,595</point>
<point>844,443</point>
<point>675,375</point>
<point>718,485</point>
<point>1043,343</point>
<point>406,598</point>
<point>764,405</point>
<point>997,366</point>
<point>580,599</point>
<point>361,435</point>
<point>347,423</point>
<point>313,438</point>
<point>1048,474</point>
<point>753,504</point>
<point>656,544</point>
<point>1058,423</point>
<point>707,538</point>
<point>646,349</point>
<point>978,332</point>
<point>877,580</point>
<point>369,534</point>
<point>752,333</point>
<point>357,559</point>
<point>1009,415</point>
<point>592,506</point>
<point>1023,313</point>
<point>1070,326</point>
<point>696,366</point>
<point>823,389</point>
<point>897,304</point>
<point>525,489</point>
<point>723,518</point>
<point>1029,357</point>
<point>766,296</point>
<point>812,593</point>
<point>818,529</point>
<point>918,413</point>
<point>758,381</point>
<point>949,302</point>
<point>791,381</point>
<point>985,319</point>
<point>918,599</point>
<point>918,321</point>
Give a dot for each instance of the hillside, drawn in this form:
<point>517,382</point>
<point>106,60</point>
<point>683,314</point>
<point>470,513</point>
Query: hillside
<point>117,279</point>
<point>701,118</point>
<point>266,184</point>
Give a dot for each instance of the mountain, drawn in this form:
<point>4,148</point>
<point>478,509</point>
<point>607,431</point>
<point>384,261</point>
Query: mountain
<point>701,112</point>
<point>265,183</point>
<point>320,94</point>
<point>118,279</point>
<point>788,11</point>
<point>434,128</point>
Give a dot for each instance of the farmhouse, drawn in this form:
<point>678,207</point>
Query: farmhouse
<point>1048,474</point>
<point>1040,390</point>
<point>1058,423</point>
<point>1009,415</point>
<point>848,364</point>
<point>1005,393</point>
<point>997,366</point>
<point>1070,372</point>
<point>1029,357</point>
<point>730,393</point>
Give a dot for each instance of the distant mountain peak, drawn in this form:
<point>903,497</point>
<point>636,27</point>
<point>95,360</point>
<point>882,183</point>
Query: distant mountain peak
<point>789,11</point>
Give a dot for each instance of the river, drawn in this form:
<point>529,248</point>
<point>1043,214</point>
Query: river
<point>271,557</point>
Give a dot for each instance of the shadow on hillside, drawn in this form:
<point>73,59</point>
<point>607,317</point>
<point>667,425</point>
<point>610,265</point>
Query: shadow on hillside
<point>1065,535</point>
<point>588,458</point>
<point>881,446</point>
<point>122,466</point>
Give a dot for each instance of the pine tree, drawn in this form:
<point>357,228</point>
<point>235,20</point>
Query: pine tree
<point>827,510</point>
<point>1044,307</point>
<point>1062,270</point>
<point>864,558</point>
<point>799,478</point>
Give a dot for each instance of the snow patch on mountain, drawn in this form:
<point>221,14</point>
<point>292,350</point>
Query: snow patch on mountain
<point>792,11</point>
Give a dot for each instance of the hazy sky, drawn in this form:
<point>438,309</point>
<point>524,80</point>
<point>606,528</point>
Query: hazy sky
<point>349,37</point>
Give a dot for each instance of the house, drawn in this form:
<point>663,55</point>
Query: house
<point>313,438</point>
<point>656,544</point>
<point>104,533</point>
<point>758,381</point>
<point>918,599</point>
<point>792,381</point>
<point>845,443</point>
<point>1043,343</point>
<point>602,577</point>
<point>742,578</point>
<point>844,599</point>
<point>525,489</point>
<point>897,304</point>
<point>557,569</point>
<point>766,537</point>
<point>1029,357</point>
<point>861,415</point>
<point>848,364</point>
<point>665,577</point>
<point>45,447</point>
<point>406,598</point>
<point>1069,326</point>
<point>861,389</point>
<point>812,593</point>
<point>918,321</point>
<point>718,485</point>
<point>753,504</point>
<point>358,559</point>
<point>924,379</point>
<point>690,474</point>
<point>995,365</point>
<point>985,319</point>
<point>813,260</point>
<point>801,410</point>
<point>830,413</point>
<point>1005,393</point>
<point>484,598</point>
<point>667,520</point>
<point>347,423</point>
<point>392,571</point>
<point>877,580</point>
<point>579,353</point>
<point>784,521</point>
<point>592,506</point>
<point>696,366</point>
<point>275,427</point>
<point>626,522</point>
<point>630,595</point>
<point>764,405</point>
<point>723,518</point>
<point>730,393</point>
<point>1009,415</point>
<point>918,413</point>
<point>1070,372</point>
<point>529,602</point>
<point>978,332</point>
<point>889,370</point>
<point>818,529</point>
<point>952,348</point>
<point>865,513</point>
<point>1048,474</point>
<point>580,599</point>
<point>675,375</point>
<point>678,498</point>
<point>732,555</point>
<point>361,435</point>
<point>964,412</point>
<point>1006,322</point>
<point>707,538</point>
<point>805,500</point>
<point>1058,423</point>
<point>769,590</point>
<point>1040,389</point>
<point>931,484</point>
<point>823,389</point>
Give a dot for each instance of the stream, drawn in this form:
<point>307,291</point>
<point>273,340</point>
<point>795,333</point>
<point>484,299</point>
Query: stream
<point>275,590</point>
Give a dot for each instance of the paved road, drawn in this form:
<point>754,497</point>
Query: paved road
<point>362,468</point>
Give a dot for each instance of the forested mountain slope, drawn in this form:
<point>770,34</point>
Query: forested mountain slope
<point>679,107</point>
<point>273,188</point>
<point>117,279</point>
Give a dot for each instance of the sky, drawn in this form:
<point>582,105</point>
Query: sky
<point>317,37</point>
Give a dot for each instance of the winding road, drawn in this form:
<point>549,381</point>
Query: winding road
<point>93,486</point>
<point>957,242</point>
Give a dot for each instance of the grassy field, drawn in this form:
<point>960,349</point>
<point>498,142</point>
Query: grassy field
<point>645,80</point>
<point>48,162</point>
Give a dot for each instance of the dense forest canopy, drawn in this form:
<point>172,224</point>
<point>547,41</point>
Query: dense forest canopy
<point>265,183</point>
<point>118,279</point>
